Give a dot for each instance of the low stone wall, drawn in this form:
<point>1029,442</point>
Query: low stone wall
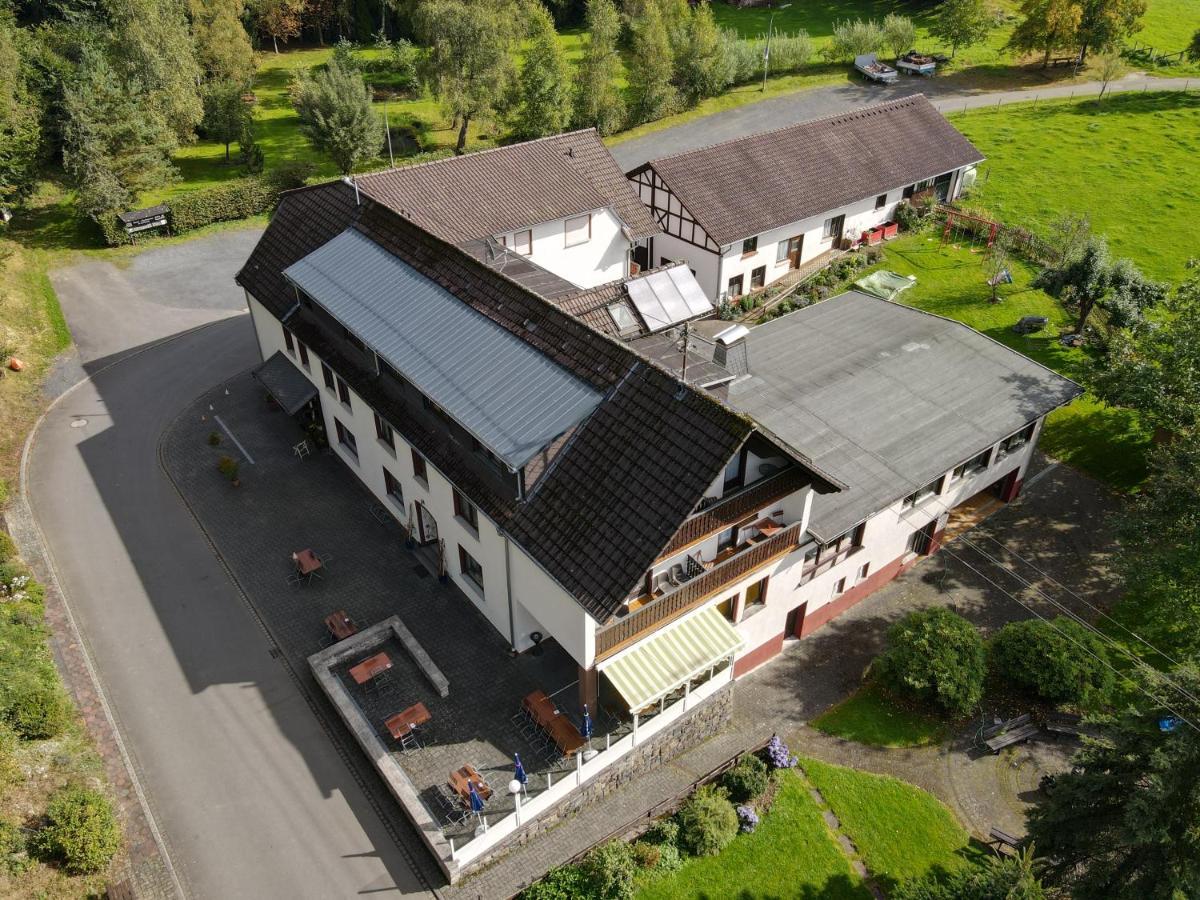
<point>690,729</point>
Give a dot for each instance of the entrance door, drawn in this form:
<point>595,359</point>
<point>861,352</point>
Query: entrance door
<point>426,524</point>
<point>794,247</point>
<point>941,186</point>
<point>795,621</point>
<point>836,227</point>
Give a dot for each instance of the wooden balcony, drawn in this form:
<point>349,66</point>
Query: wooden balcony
<point>652,613</point>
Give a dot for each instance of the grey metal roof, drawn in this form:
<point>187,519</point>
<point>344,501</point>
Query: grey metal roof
<point>510,396</point>
<point>285,382</point>
<point>886,397</point>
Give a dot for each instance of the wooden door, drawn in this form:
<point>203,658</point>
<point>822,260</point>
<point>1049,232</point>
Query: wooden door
<point>795,621</point>
<point>794,248</point>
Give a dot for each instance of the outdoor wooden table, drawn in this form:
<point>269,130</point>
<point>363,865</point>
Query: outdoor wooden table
<point>307,562</point>
<point>370,667</point>
<point>558,727</point>
<point>340,625</point>
<point>406,720</point>
<point>458,783</point>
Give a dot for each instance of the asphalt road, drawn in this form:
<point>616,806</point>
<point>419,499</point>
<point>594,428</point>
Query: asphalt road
<point>803,106</point>
<point>250,794</point>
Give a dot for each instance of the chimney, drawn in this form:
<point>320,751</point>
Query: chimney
<point>731,351</point>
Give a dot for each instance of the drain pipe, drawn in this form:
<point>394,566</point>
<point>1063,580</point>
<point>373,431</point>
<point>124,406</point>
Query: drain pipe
<point>512,628</point>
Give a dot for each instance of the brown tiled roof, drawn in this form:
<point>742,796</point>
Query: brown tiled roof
<point>750,185</point>
<point>614,495</point>
<point>464,198</point>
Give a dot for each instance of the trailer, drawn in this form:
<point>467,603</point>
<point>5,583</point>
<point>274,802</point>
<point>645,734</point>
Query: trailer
<point>917,63</point>
<point>874,70</point>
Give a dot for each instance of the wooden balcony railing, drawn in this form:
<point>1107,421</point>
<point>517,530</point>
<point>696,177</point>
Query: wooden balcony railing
<point>622,632</point>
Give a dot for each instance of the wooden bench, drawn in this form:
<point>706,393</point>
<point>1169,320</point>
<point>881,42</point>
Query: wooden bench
<point>1065,723</point>
<point>993,730</point>
<point>1008,738</point>
<point>1000,840</point>
<point>1064,61</point>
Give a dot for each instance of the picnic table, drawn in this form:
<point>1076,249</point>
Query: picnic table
<point>371,667</point>
<point>340,625</point>
<point>403,722</point>
<point>557,727</point>
<point>1014,731</point>
<point>459,779</point>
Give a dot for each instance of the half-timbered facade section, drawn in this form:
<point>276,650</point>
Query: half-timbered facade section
<point>747,212</point>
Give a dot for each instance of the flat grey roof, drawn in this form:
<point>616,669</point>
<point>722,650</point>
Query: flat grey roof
<point>886,397</point>
<point>509,395</point>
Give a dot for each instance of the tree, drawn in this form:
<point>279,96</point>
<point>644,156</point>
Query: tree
<point>1193,50</point>
<point>937,656</point>
<point>279,19</point>
<point>225,113</point>
<point>1130,294</point>
<point>1009,878</point>
<point>150,45</point>
<point>1069,234</point>
<point>853,38</point>
<point>1085,280</point>
<point>470,61</point>
<point>1060,661</point>
<point>598,100</point>
<point>899,33</point>
<point>1121,824</point>
<point>963,23</point>
<point>1112,67</point>
<point>1046,26</point>
<point>20,115</point>
<point>115,143</point>
<point>995,264</point>
<point>317,15</point>
<point>703,70</point>
<point>1157,370</point>
<point>1105,23</point>
<point>545,81</point>
<point>222,45</point>
<point>335,110</point>
<point>651,91</point>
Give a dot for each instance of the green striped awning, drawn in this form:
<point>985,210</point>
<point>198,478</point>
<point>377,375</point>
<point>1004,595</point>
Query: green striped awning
<point>659,664</point>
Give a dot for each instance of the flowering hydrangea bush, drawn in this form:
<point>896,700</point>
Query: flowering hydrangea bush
<point>15,589</point>
<point>778,755</point>
<point>747,818</point>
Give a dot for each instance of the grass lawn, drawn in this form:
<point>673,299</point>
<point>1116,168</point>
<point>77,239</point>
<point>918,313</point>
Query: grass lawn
<point>1129,162</point>
<point>1105,442</point>
<point>900,831</point>
<point>872,716</point>
<point>792,854</point>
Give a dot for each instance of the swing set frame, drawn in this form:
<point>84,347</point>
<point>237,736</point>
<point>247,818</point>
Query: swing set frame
<point>954,216</point>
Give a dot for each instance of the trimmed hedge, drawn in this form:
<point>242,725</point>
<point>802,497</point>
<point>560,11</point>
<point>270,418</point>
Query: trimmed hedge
<point>938,657</point>
<point>238,198</point>
<point>707,822</point>
<point>1059,661</point>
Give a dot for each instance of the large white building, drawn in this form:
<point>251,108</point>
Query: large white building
<point>580,480</point>
<point>744,213</point>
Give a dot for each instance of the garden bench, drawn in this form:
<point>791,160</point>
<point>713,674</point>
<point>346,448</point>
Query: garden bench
<point>1017,722</point>
<point>1064,61</point>
<point>1065,723</point>
<point>1002,839</point>
<point>1008,738</point>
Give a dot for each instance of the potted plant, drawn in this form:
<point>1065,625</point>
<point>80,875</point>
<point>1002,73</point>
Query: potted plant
<point>228,467</point>
<point>214,439</point>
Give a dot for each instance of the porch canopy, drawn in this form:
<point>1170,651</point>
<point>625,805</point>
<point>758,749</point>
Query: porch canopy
<point>285,383</point>
<point>656,666</point>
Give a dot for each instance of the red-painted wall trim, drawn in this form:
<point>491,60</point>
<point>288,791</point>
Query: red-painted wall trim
<point>821,615</point>
<point>757,656</point>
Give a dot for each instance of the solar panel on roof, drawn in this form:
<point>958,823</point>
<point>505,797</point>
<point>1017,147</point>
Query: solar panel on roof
<point>665,298</point>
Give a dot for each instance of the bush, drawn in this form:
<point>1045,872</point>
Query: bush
<point>563,883</point>
<point>747,819</point>
<point>778,755</point>
<point>1062,662</point>
<point>610,870</point>
<point>1011,878</point>
<point>938,657</point>
<point>9,743</point>
<point>214,439</point>
<point>228,467</point>
<point>81,831</point>
<point>8,550</point>
<point>747,780</point>
<point>707,822</point>
<point>13,857</point>
<point>38,708</point>
<point>664,832</point>
<point>907,216</point>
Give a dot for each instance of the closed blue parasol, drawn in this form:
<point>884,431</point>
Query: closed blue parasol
<point>587,723</point>
<point>476,800</point>
<point>519,770</point>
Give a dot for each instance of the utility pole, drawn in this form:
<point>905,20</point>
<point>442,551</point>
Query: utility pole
<point>767,48</point>
<point>687,327</point>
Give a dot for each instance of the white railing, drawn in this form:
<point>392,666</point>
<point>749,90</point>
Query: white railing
<point>559,788</point>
